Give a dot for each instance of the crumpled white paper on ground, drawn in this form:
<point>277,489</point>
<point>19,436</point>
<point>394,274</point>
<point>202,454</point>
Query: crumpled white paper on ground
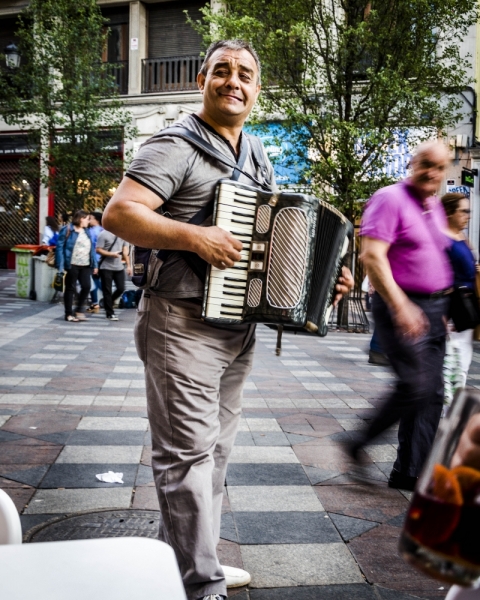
<point>110,477</point>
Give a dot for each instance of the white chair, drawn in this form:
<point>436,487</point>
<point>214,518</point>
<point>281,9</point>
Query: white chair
<point>10,526</point>
<point>459,593</point>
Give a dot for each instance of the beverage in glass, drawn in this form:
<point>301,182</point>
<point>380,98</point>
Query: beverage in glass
<point>441,534</point>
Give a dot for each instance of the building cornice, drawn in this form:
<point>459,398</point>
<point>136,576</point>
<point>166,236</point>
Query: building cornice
<point>167,98</point>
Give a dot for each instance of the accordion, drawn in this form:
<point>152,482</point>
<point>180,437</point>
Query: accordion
<point>293,246</point>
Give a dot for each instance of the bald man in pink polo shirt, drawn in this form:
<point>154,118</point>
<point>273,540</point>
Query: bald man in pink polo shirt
<point>404,251</point>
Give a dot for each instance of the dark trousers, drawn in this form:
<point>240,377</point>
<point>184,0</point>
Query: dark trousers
<point>74,274</point>
<point>107,276</point>
<point>417,400</point>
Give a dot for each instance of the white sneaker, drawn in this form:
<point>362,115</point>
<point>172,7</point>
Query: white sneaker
<point>214,597</point>
<point>236,577</point>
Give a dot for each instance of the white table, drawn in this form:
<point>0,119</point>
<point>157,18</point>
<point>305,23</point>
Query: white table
<point>105,569</point>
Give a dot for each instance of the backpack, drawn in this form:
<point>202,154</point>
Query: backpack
<point>147,262</point>
<point>128,299</point>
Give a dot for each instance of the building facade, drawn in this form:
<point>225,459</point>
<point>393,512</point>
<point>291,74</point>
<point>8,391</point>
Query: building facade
<point>160,58</point>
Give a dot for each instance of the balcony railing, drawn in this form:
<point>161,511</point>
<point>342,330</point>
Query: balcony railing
<point>119,71</point>
<point>171,74</point>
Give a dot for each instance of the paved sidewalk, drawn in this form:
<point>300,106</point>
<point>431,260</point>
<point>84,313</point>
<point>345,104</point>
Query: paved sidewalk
<point>72,404</point>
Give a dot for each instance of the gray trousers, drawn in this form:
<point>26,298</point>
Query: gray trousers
<point>195,375</point>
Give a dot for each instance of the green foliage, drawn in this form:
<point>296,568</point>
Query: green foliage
<point>347,75</point>
<point>65,96</point>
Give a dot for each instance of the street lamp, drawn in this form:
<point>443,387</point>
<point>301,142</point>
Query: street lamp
<point>12,56</point>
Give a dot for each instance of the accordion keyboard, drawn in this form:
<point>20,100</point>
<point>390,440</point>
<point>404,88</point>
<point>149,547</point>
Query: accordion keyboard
<point>235,213</point>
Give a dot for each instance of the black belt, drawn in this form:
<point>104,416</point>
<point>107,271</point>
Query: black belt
<point>434,296</point>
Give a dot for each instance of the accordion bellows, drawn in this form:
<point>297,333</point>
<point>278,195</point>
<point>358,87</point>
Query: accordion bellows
<point>293,247</point>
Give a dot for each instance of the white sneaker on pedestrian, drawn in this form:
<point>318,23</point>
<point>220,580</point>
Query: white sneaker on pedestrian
<point>214,597</point>
<point>112,318</point>
<point>236,577</point>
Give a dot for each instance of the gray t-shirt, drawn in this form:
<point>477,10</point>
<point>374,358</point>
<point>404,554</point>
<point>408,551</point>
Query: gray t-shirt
<point>185,178</point>
<point>107,241</point>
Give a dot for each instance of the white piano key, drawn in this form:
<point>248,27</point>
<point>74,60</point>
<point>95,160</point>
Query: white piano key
<point>229,216</point>
<point>235,302</point>
<point>237,207</point>
<point>240,227</point>
<point>235,276</point>
<point>215,313</point>
<point>231,191</point>
<point>217,289</point>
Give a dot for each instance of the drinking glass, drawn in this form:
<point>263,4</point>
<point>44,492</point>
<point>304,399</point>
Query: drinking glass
<point>441,534</point>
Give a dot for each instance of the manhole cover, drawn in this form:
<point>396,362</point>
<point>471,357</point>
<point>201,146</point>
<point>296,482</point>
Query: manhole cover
<point>103,524</point>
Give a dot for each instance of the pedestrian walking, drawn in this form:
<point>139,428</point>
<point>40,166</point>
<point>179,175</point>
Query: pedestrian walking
<point>459,343</point>
<point>194,372</point>
<point>112,250</point>
<point>50,232</point>
<point>95,228</point>
<point>75,255</point>
<point>404,251</point>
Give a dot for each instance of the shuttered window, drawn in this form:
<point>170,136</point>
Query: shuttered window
<point>116,15</point>
<point>7,27</point>
<point>168,32</point>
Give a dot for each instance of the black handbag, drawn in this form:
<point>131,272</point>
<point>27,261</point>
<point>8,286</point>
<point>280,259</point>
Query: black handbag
<point>59,282</point>
<point>464,308</point>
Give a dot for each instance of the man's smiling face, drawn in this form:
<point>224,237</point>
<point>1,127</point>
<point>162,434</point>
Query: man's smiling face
<point>230,87</point>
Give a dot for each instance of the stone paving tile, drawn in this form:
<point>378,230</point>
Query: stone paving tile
<point>374,503</point>
<point>275,455</point>
<point>39,453</point>
<point>286,565</point>
<point>25,474</point>
<point>100,454</point>
<point>349,527</point>
<point>387,568</point>
<point>270,439</point>
<point>18,492</point>
<point>358,591</point>
<point>273,498</point>
<point>285,528</point>
<point>144,476</point>
<point>41,423</point>
<point>265,474</point>
<point>145,498</point>
<point>146,458</point>
<point>84,475</point>
<point>77,500</point>
<point>113,424</point>
<point>105,438</point>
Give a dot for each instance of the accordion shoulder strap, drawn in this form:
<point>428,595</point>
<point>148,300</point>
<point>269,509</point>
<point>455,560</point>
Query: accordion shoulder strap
<point>199,142</point>
<point>258,154</point>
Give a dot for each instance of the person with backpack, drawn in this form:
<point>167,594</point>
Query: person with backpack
<point>194,372</point>
<point>111,269</point>
<point>75,255</point>
<point>95,228</point>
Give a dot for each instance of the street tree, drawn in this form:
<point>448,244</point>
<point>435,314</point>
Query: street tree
<point>347,78</point>
<point>65,97</point>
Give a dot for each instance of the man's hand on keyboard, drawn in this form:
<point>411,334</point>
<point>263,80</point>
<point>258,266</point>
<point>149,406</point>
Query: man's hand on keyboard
<point>218,247</point>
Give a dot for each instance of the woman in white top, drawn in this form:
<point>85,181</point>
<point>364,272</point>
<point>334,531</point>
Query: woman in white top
<point>51,228</point>
<point>75,254</point>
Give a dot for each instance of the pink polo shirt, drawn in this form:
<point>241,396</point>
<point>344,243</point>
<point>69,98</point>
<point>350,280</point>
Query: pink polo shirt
<point>417,252</point>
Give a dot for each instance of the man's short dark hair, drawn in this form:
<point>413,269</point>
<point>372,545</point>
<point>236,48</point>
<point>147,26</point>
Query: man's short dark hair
<point>97,215</point>
<point>230,45</point>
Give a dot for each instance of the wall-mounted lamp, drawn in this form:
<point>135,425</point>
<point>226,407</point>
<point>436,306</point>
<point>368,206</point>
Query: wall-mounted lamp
<point>12,56</point>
